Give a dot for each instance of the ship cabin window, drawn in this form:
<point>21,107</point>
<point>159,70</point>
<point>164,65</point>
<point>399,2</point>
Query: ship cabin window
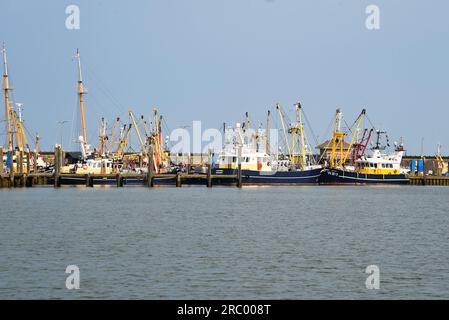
<point>247,159</point>
<point>234,159</point>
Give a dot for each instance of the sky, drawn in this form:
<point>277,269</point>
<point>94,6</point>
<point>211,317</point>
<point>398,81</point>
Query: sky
<point>214,60</point>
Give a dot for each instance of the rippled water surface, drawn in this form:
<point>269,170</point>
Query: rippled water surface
<point>200,243</point>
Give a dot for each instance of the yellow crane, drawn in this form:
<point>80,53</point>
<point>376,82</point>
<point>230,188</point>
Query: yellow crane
<point>338,157</point>
<point>442,166</point>
<point>299,129</point>
<point>124,136</point>
<point>145,127</point>
<point>17,130</point>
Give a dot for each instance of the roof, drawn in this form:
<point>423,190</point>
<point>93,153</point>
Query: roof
<point>328,145</point>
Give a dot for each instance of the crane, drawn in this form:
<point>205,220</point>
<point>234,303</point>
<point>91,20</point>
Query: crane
<point>136,128</point>
<point>111,138</point>
<point>281,116</point>
<point>123,140</point>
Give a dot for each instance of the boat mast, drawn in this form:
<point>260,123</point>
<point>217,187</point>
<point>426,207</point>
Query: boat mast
<point>337,140</point>
<point>136,128</point>
<point>111,139</point>
<point>7,102</point>
<point>81,92</point>
<point>354,134</point>
<point>281,116</point>
<point>267,134</point>
<point>102,137</point>
<point>301,133</point>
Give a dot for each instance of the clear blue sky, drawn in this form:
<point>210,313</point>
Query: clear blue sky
<point>213,60</point>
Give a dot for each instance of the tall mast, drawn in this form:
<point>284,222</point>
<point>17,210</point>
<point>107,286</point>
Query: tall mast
<point>267,134</point>
<point>337,141</point>
<point>81,92</point>
<point>7,106</point>
<point>102,137</point>
<point>301,133</point>
<point>281,116</point>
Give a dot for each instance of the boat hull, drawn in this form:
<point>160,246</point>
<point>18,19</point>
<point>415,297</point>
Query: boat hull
<point>253,177</point>
<point>342,177</point>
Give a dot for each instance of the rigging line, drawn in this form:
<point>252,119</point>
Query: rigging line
<point>315,138</point>
<point>276,123</point>
<point>120,109</point>
<point>28,131</point>
<point>328,128</point>
<point>369,120</point>
<point>104,89</point>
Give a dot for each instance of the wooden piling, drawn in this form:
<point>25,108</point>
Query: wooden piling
<point>1,160</point>
<point>89,181</point>
<point>34,162</point>
<point>28,158</point>
<point>28,181</point>
<point>239,170</point>
<point>57,177</point>
<point>209,171</point>
<point>19,156</point>
<point>188,163</point>
<point>150,173</point>
<point>119,180</point>
<point>178,180</point>
<point>11,168</point>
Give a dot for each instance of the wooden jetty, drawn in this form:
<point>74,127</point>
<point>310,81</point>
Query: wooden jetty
<point>429,181</point>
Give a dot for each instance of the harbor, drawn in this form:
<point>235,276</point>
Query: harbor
<point>247,154</point>
<point>224,159</point>
<point>31,177</point>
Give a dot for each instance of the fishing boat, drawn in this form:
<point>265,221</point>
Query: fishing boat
<point>379,167</point>
<point>89,162</point>
<point>243,148</point>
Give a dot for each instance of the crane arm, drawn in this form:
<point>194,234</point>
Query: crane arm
<point>359,121</point>
<point>281,116</point>
<point>111,140</point>
<point>136,128</point>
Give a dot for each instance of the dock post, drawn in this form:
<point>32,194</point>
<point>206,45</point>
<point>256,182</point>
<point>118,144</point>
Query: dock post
<point>1,167</point>
<point>20,162</point>
<point>119,180</point>
<point>28,158</point>
<point>150,167</point>
<point>11,168</point>
<point>19,157</point>
<point>57,178</point>
<point>209,171</point>
<point>178,180</point>
<point>34,162</point>
<point>188,163</point>
<point>89,181</point>
<point>239,170</point>
<point>1,160</point>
